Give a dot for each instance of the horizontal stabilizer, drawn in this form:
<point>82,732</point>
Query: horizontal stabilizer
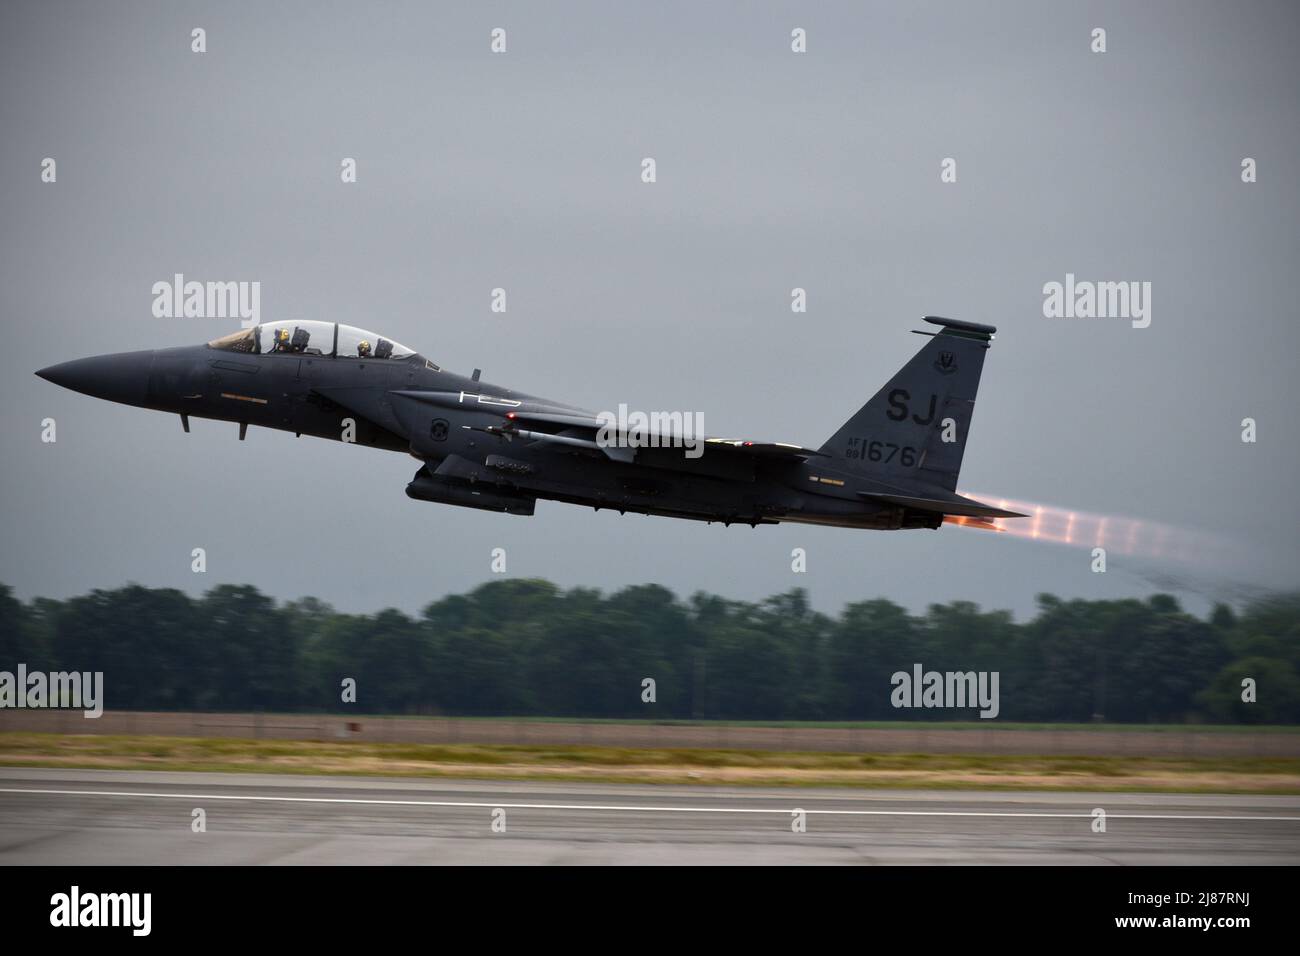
<point>954,505</point>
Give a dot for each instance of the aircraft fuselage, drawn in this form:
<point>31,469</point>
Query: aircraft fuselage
<point>490,447</point>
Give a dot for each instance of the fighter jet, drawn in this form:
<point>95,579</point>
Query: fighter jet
<point>892,465</point>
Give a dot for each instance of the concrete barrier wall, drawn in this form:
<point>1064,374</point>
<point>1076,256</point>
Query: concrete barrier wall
<point>907,738</point>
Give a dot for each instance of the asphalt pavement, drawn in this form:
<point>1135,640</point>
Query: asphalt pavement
<point>80,817</point>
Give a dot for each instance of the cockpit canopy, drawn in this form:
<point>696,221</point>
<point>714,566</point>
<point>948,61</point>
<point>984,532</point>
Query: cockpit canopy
<point>311,338</point>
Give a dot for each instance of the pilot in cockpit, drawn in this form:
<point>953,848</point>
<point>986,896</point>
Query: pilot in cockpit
<point>297,342</point>
<point>363,349</point>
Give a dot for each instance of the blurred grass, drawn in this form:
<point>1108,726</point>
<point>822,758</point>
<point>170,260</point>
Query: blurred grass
<point>629,765</point>
<point>974,724</point>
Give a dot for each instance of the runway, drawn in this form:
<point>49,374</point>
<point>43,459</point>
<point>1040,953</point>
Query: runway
<point>86,817</point>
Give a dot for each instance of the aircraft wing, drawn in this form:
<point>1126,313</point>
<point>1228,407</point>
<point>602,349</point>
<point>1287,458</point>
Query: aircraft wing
<point>729,446</point>
<point>577,428</point>
<point>774,449</point>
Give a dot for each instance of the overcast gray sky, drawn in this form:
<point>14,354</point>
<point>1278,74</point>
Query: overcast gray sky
<point>775,170</point>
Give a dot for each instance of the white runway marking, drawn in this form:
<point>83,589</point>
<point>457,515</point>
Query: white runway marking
<point>643,809</point>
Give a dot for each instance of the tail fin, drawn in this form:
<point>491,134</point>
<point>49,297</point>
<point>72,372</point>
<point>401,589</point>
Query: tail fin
<point>912,434</point>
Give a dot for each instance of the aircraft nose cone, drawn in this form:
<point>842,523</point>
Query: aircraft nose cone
<point>123,377</point>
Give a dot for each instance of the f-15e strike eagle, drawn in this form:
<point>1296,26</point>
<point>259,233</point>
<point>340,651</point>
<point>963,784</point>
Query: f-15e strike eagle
<point>892,465</point>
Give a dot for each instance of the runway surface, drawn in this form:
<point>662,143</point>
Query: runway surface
<point>66,817</point>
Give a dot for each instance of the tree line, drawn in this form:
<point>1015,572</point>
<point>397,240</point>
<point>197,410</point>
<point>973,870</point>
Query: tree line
<point>527,647</point>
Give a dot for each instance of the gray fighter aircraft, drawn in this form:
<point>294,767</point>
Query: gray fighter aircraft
<point>892,465</point>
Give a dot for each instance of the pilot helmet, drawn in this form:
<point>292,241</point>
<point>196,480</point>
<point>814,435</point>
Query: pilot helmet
<point>363,347</point>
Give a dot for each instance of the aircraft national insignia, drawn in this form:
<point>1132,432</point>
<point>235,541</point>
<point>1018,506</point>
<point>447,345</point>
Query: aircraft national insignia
<point>946,363</point>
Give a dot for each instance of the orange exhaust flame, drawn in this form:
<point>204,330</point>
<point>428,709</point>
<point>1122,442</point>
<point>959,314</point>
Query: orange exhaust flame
<point>1080,529</point>
<point>988,524</point>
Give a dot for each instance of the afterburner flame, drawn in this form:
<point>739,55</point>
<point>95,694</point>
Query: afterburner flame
<point>1082,529</point>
